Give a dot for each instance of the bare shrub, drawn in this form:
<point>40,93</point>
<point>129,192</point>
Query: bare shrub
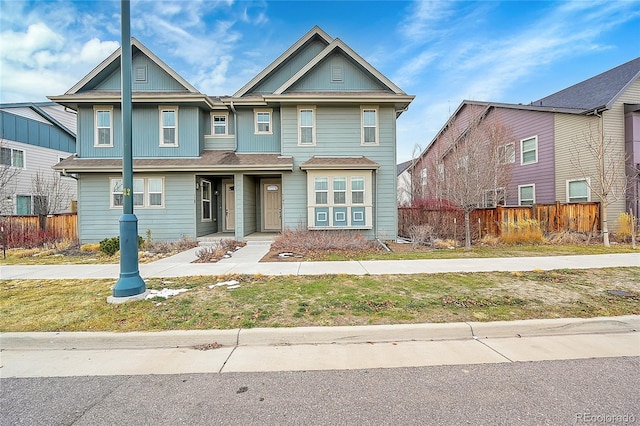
<point>421,234</point>
<point>305,241</point>
<point>568,237</point>
<point>217,250</point>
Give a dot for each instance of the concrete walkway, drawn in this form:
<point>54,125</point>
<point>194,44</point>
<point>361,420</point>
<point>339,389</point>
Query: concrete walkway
<point>315,348</point>
<point>246,261</point>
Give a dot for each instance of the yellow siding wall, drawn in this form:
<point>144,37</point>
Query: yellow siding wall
<point>572,132</point>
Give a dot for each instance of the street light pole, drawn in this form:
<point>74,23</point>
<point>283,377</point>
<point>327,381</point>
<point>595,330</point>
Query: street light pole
<point>130,283</point>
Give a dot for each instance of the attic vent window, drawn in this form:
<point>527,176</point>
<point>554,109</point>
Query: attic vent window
<point>336,74</point>
<point>141,74</point>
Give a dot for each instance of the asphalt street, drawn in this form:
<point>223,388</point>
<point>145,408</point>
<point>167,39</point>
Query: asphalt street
<point>588,391</point>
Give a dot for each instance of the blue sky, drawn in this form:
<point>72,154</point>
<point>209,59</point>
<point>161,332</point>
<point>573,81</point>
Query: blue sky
<point>440,51</point>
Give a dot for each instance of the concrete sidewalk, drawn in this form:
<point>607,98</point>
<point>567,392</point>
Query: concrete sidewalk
<point>246,261</point>
<point>315,348</point>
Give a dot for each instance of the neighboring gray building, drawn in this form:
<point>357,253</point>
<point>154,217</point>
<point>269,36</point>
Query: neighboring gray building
<point>310,141</point>
<point>547,135</point>
<point>34,138</point>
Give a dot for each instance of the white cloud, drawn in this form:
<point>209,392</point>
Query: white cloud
<point>95,51</point>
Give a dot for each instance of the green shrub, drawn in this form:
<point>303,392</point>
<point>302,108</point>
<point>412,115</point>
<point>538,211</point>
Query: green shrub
<point>110,246</point>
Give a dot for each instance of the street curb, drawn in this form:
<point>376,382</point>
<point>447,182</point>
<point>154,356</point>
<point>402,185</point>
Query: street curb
<point>317,335</point>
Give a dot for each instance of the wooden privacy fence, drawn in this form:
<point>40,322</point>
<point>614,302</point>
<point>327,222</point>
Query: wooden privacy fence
<point>577,217</point>
<point>58,226</point>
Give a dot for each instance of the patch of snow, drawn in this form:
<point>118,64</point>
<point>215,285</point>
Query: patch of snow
<point>227,283</point>
<point>283,255</point>
<point>231,287</point>
<point>165,292</point>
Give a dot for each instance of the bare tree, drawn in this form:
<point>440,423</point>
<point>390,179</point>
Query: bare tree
<point>50,194</point>
<point>8,177</point>
<point>601,159</point>
<point>474,168</point>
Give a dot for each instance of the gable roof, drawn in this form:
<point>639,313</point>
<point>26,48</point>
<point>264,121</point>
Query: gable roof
<point>113,61</point>
<point>595,93</point>
<point>315,32</point>
<point>402,167</point>
<point>338,44</point>
<point>77,95</point>
<point>388,89</point>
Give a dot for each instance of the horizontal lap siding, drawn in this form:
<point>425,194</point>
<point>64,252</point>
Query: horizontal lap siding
<point>96,220</point>
<point>526,124</point>
<point>615,129</point>
<point>38,160</point>
<point>338,134</point>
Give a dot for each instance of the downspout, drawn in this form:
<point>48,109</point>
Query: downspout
<point>375,206</point>
<point>235,126</point>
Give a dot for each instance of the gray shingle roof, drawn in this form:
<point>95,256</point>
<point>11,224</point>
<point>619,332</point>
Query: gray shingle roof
<point>209,160</point>
<point>595,92</point>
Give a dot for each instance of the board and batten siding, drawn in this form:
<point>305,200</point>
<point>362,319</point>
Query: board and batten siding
<point>353,79</point>
<point>21,129</point>
<point>526,124</point>
<point>158,80</point>
<point>97,220</point>
<point>338,132</point>
<point>145,134</point>
<point>290,67</point>
<point>248,141</point>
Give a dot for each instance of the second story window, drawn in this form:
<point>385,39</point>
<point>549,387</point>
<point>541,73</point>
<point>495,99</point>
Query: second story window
<point>219,124</point>
<point>506,154</point>
<point>529,150</point>
<point>169,126</point>
<point>263,121</point>
<point>306,126</point>
<point>370,126</point>
<point>103,126</point>
<point>12,158</point>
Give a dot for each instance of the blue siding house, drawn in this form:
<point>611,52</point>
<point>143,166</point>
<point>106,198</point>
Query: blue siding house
<point>310,141</point>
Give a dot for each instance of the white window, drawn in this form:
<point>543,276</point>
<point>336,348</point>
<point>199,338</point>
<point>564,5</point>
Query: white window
<point>441,171</point>
<point>219,124</point>
<point>103,117</point>
<point>339,190</point>
<point>357,190</point>
<point>507,154</point>
<point>321,190</point>
<point>12,157</point>
<point>526,195</point>
<point>578,191</point>
<point>206,200</point>
<point>529,150</point>
<point>339,199</point>
<point>423,177</point>
<point>493,197</point>
<point>306,126</point>
<point>263,121</point>
<point>169,126</point>
<point>147,192</point>
<point>370,125</point>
